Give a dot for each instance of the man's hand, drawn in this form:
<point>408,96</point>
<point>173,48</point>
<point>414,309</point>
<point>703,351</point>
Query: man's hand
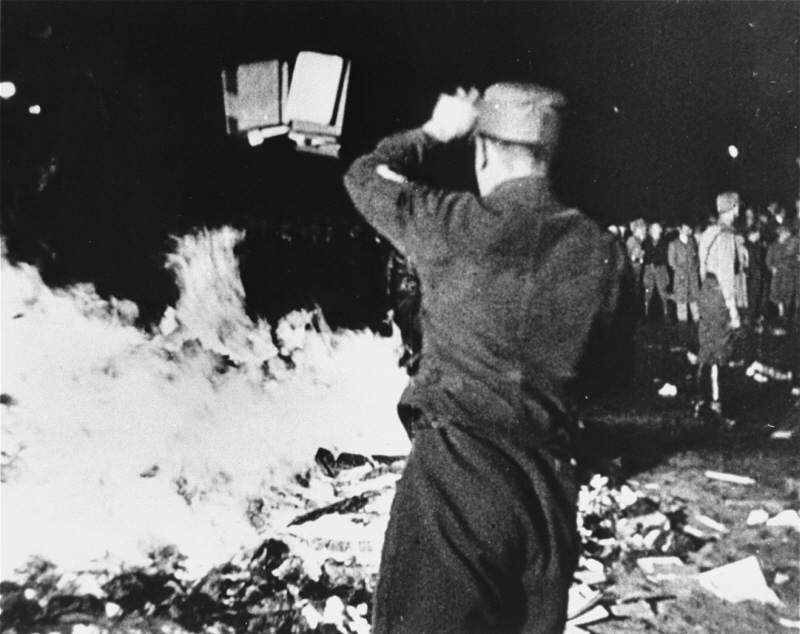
<point>454,115</point>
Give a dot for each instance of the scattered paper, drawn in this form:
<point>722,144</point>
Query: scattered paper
<point>112,610</point>
<point>729,477</point>
<point>758,516</point>
<point>788,518</point>
<point>644,523</point>
<point>668,390</point>
<point>782,434</point>
<point>650,539</point>
<point>597,613</point>
<point>781,578</point>
<point>590,577</point>
<point>694,532</point>
<point>707,521</point>
<point>635,610</point>
<point>592,564</point>
<point>739,581</point>
<point>334,612</point>
<point>627,497</point>
<point>312,616</point>
<point>759,369</point>
<point>581,598</point>
<point>659,565</point>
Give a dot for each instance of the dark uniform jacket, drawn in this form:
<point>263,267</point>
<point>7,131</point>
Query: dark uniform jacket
<point>655,253</point>
<point>511,284</point>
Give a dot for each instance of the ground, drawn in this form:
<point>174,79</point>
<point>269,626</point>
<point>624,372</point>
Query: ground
<point>647,493</point>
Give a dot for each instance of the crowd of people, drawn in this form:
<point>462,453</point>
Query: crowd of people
<point>756,262</point>
<point>739,270</point>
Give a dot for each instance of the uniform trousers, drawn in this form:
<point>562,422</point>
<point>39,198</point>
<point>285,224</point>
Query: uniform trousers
<point>655,278</point>
<point>481,539</point>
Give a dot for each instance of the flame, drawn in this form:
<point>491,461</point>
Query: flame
<point>116,442</point>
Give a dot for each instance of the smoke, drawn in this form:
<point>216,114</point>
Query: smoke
<point>116,442</point>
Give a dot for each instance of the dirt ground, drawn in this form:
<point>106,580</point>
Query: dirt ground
<point>663,447</point>
<point>649,458</point>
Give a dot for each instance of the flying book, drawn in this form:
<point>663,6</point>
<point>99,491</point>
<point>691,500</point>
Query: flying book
<point>255,98</point>
<point>317,100</point>
<point>259,103</point>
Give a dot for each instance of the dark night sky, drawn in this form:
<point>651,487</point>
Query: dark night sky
<point>132,101</point>
<point>687,78</point>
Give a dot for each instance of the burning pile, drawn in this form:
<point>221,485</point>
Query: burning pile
<point>319,576</point>
<point>118,443</point>
<point>138,462</point>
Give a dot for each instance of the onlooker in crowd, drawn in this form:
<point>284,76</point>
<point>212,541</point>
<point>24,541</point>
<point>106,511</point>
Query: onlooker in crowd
<point>766,223</point>
<point>719,253</point>
<point>682,256</point>
<point>782,261</point>
<point>636,255</point>
<point>715,335</point>
<point>742,268</point>
<point>656,275</point>
<point>756,276</point>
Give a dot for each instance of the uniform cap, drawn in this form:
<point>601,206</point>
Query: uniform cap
<point>727,202</point>
<point>520,113</point>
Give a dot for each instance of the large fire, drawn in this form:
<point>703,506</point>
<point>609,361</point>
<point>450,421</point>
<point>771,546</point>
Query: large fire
<point>117,442</point>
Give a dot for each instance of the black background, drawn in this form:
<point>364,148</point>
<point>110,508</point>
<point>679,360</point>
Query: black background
<point>131,100</point>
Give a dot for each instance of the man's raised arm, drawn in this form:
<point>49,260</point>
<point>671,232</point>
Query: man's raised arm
<point>382,184</point>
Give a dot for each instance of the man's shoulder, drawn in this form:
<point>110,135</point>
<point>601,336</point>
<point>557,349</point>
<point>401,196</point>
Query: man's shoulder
<point>709,233</point>
<point>573,219</point>
<point>585,237</point>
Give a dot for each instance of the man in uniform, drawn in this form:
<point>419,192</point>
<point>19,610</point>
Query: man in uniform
<point>720,252</point>
<point>482,535</point>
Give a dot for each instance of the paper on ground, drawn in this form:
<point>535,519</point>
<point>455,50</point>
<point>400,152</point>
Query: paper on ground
<point>785,518</point>
<point>597,613</point>
<point>757,516</point>
<point>581,598</point>
<point>659,565</point>
<point>729,477</point>
<point>668,390</point>
<point>739,581</point>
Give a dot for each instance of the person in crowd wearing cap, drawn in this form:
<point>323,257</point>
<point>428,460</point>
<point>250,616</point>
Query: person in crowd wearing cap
<point>482,533</point>
<point>720,252</point>
<point>682,256</point>
<point>656,274</point>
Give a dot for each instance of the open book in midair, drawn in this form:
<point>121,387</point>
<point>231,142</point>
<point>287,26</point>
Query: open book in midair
<point>260,103</point>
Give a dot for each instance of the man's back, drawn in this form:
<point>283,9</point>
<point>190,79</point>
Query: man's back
<point>511,284</point>
<point>506,313</point>
<point>482,534</point>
